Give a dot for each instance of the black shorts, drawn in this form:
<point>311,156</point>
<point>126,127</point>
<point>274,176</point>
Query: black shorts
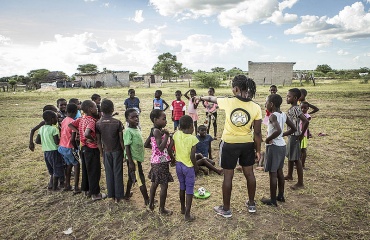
<point>231,153</point>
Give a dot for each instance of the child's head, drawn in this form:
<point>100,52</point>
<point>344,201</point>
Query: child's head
<point>132,117</point>
<point>89,108</point>
<point>96,98</point>
<point>202,130</point>
<point>304,107</point>
<point>77,102</point>
<point>193,93</point>
<point>72,110</point>
<point>107,107</point>
<point>273,102</point>
<point>273,89</point>
<point>158,94</point>
<point>178,95</point>
<point>241,83</point>
<point>131,93</point>
<point>50,107</point>
<point>186,124</point>
<point>303,94</point>
<point>158,118</point>
<point>211,91</point>
<point>61,104</point>
<point>293,95</point>
<point>50,117</point>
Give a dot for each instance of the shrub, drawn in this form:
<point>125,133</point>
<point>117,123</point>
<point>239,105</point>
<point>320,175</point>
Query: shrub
<point>207,80</point>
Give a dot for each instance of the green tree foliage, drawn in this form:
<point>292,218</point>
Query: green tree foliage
<point>87,68</point>
<point>38,75</point>
<point>234,72</point>
<point>12,83</point>
<point>325,68</point>
<point>218,70</point>
<point>132,75</point>
<point>167,66</point>
<point>207,80</point>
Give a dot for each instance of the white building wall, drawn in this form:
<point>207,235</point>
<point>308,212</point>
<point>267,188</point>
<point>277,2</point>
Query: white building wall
<point>277,73</point>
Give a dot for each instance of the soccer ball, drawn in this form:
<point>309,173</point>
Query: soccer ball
<point>201,191</point>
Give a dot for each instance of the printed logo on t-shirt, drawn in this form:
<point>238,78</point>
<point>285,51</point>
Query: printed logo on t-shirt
<point>239,117</point>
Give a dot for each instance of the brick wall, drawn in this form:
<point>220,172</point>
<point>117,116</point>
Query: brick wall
<point>268,73</point>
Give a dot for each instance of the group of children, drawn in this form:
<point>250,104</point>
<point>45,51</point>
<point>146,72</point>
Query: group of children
<point>85,139</point>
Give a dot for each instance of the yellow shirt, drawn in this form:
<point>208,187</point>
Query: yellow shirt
<point>183,145</point>
<point>239,117</point>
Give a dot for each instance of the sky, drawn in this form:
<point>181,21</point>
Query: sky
<point>129,35</point>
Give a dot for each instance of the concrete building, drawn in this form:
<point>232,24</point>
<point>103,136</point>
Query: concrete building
<point>108,79</point>
<point>268,73</point>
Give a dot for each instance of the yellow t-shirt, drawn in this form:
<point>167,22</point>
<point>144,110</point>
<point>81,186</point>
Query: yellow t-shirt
<point>239,117</point>
<point>183,145</point>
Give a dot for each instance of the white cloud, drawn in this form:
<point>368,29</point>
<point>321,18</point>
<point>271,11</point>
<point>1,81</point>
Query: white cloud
<point>4,40</point>
<point>278,18</point>
<point>352,22</point>
<point>106,4</point>
<point>90,0</point>
<point>138,16</point>
<point>321,51</point>
<point>367,54</point>
<point>341,52</point>
<point>355,59</point>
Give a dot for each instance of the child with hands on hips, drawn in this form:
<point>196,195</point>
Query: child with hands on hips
<point>192,107</point>
<point>160,159</point>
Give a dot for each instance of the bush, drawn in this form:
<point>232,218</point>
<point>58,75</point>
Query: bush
<point>207,80</point>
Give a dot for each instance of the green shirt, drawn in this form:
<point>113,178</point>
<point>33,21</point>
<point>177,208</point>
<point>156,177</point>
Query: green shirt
<point>132,137</point>
<point>183,145</point>
<point>47,133</point>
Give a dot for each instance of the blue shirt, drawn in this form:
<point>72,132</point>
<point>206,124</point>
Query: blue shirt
<point>158,103</point>
<point>132,103</point>
<point>203,145</point>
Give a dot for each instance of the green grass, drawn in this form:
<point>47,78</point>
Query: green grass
<point>333,205</point>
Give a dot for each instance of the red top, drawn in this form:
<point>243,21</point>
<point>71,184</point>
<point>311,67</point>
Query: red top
<point>178,108</point>
<point>86,122</point>
<point>65,133</point>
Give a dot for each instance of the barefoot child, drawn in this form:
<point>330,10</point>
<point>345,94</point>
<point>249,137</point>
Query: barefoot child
<point>192,107</point>
<point>293,147</point>
<point>304,142</point>
<point>158,102</point>
<point>48,137</point>
<point>275,148</point>
<point>109,135</point>
<point>238,141</point>
<point>186,166</point>
<point>134,152</point>
<point>67,150</point>
<point>160,159</point>
<point>178,108</point>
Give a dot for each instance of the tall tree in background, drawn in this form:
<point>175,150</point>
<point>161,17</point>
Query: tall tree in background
<point>167,66</point>
<point>234,72</point>
<point>38,75</point>
<point>87,68</point>
<point>325,68</point>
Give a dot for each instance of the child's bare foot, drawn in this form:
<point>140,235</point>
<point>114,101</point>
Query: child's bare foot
<point>165,212</point>
<point>220,172</point>
<point>239,169</point>
<point>297,186</point>
<point>127,197</point>
<point>288,178</point>
<point>260,168</point>
<point>189,218</point>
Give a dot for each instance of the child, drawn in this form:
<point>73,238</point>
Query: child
<point>90,155</point>
<point>293,147</point>
<point>304,108</point>
<point>303,99</point>
<point>158,102</point>
<point>78,104</point>
<point>96,98</point>
<point>132,101</point>
<point>178,108</point>
<point>134,152</point>
<point>275,148</point>
<point>204,151</point>
<point>186,166</point>
<point>109,135</point>
<point>211,113</point>
<point>62,114</point>
<point>66,149</point>
<point>48,137</point>
<point>239,142</point>
<point>193,105</point>
<point>160,172</point>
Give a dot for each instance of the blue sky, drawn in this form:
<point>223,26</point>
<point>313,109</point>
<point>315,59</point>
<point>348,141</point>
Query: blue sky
<point>128,35</point>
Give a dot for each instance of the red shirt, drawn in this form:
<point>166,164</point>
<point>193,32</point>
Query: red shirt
<point>65,133</point>
<point>86,122</point>
<point>178,109</point>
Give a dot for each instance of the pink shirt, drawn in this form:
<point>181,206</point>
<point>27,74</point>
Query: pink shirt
<point>66,133</point>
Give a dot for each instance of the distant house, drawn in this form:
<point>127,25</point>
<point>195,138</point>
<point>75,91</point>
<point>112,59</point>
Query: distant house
<point>108,79</point>
<point>278,73</point>
<point>151,78</point>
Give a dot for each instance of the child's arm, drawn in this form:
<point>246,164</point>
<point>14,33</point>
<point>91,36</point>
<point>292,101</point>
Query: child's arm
<point>210,150</point>
<point>193,159</point>
<point>291,126</point>
<point>147,143</point>
<point>71,126</point>
<point>88,135</point>
<point>153,104</point>
<point>195,102</point>
<point>304,125</point>
<point>158,138</point>
<point>120,134</point>
<point>186,94</point>
<point>170,151</point>
<point>257,137</point>
<point>32,133</point>
<point>275,124</point>
<point>56,139</point>
<point>100,145</point>
<point>38,139</point>
<point>166,104</point>
<point>208,99</point>
<point>131,165</point>
<point>314,108</point>
<point>73,140</point>
<point>138,105</point>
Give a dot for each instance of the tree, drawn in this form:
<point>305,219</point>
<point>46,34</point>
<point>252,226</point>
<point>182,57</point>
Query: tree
<point>325,68</point>
<point>167,66</point>
<point>132,75</point>
<point>12,83</point>
<point>87,68</point>
<point>234,72</point>
<point>38,75</point>
<point>218,70</point>
<point>207,80</point>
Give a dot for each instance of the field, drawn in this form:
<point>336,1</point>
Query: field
<point>333,205</point>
